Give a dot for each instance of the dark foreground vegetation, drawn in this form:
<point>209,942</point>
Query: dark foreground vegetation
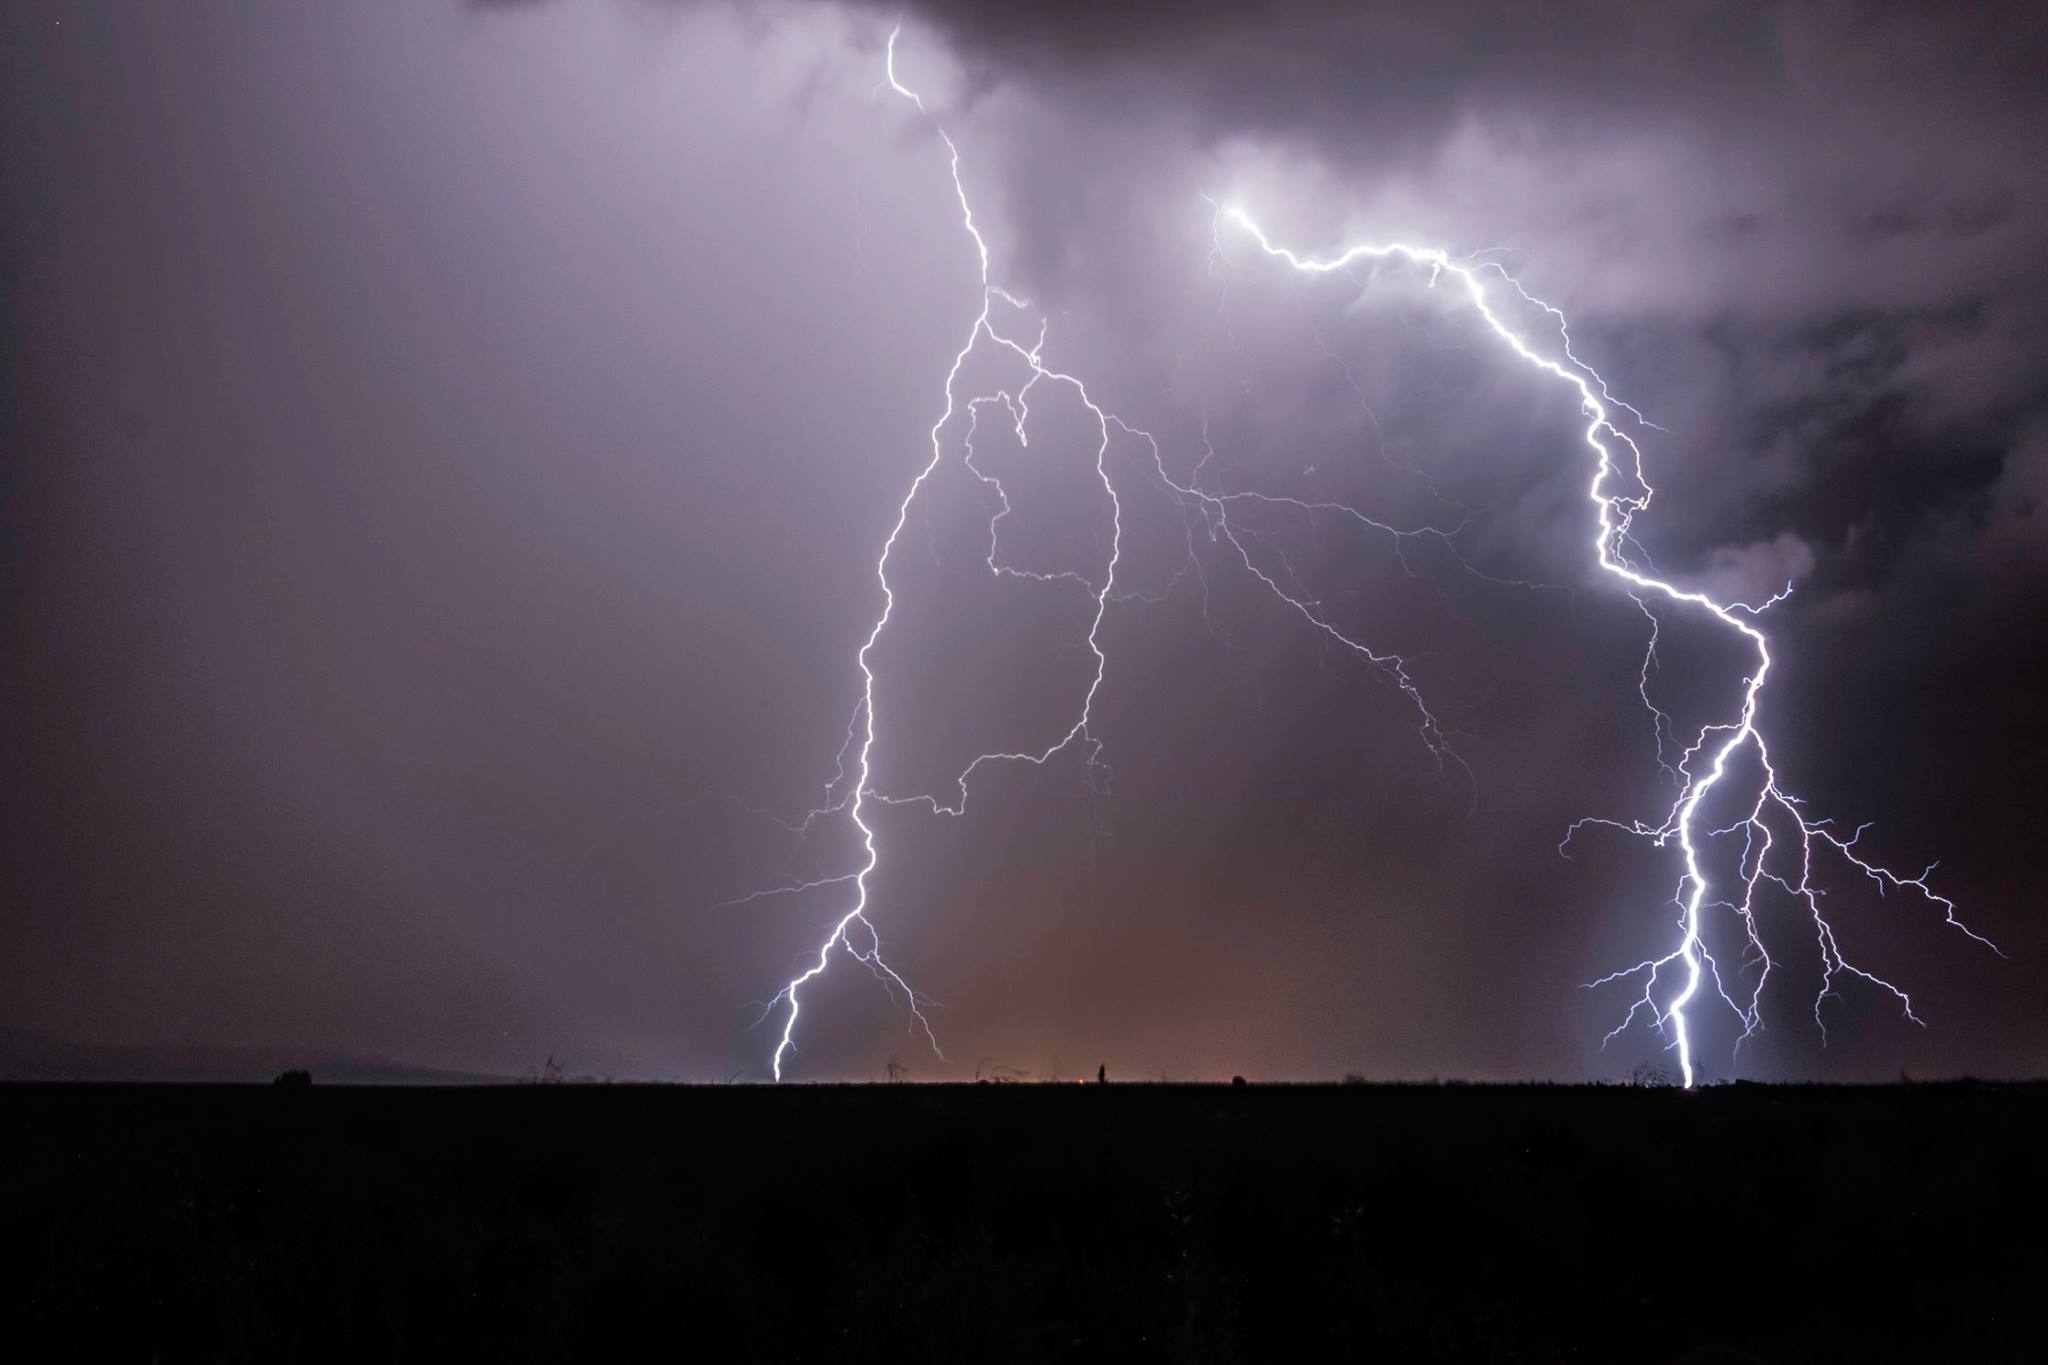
<point>1024,1223</point>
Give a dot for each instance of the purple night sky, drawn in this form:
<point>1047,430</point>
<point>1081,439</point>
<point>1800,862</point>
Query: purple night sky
<point>447,447</point>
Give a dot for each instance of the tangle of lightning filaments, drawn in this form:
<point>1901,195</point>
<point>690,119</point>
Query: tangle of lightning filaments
<point>1618,495</point>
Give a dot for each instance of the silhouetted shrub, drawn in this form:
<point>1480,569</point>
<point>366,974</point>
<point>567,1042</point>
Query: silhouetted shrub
<point>1653,1074</point>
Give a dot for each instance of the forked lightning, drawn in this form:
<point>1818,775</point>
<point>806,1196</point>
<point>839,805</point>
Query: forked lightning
<point>1779,840</point>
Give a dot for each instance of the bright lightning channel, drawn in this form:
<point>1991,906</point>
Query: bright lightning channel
<point>1703,765</point>
<point>1720,743</point>
<point>867,947</point>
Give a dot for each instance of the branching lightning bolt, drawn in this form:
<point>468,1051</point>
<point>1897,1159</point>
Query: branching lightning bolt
<point>1704,764</point>
<point>868,950</point>
<point>1619,492</point>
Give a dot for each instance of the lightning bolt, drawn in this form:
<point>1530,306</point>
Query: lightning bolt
<point>854,931</point>
<point>1705,763</point>
<point>1619,492</point>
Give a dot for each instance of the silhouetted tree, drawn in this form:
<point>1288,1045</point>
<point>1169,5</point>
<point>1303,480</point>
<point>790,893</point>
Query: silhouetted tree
<point>1654,1074</point>
<point>294,1079</point>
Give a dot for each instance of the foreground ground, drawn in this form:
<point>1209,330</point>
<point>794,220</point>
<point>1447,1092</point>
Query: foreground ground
<point>1024,1223</point>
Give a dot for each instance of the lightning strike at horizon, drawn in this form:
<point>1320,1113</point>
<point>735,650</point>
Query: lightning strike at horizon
<point>1619,492</point>
<point>1616,512</point>
<point>860,793</point>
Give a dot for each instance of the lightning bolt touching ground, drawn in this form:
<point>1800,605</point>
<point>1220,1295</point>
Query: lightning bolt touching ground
<point>1618,491</point>
<point>854,931</point>
<point>1705,763</point>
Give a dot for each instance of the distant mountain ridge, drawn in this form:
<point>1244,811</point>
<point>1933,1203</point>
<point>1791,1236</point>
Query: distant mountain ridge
<point>31,1057</point>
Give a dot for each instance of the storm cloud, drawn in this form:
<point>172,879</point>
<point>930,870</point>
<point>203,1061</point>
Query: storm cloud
<point>447,449</point>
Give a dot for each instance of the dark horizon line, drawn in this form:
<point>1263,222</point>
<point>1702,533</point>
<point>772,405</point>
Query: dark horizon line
<point>498,1082</point>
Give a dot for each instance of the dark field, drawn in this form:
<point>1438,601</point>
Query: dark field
<point>1027,1223</point>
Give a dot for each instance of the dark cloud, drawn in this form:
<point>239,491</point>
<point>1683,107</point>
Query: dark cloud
<point>1838,199</point>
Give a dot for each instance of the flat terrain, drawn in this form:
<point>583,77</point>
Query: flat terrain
<point>1026,1223</point>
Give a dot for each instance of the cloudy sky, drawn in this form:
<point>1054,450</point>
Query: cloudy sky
<point>447,449</point>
